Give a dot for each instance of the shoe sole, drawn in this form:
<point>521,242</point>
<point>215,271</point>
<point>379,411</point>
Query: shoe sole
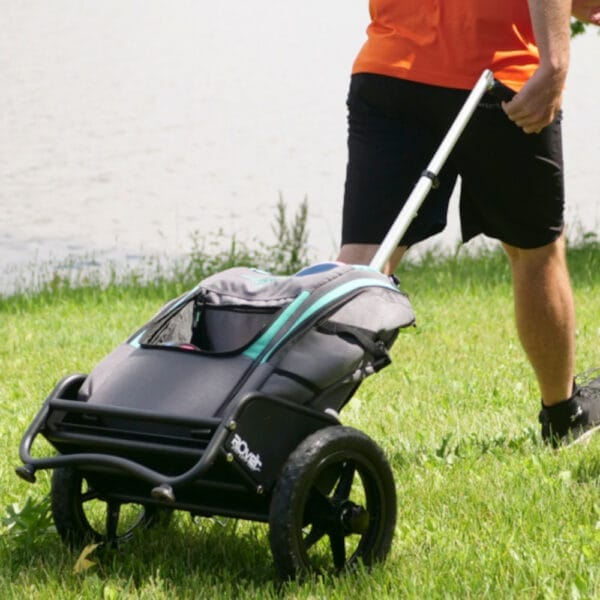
<point>584,438</point>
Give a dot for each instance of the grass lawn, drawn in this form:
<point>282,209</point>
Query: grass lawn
<point>484,509</point>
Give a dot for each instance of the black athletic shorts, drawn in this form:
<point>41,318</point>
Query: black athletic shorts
<point>512,185</point>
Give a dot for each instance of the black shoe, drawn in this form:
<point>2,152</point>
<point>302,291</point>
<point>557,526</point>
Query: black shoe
<point>575,420</point>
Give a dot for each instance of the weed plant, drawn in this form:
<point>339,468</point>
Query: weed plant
<point>485,509</point>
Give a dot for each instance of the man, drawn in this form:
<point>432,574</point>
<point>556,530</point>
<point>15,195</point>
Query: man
<point>408,82</point>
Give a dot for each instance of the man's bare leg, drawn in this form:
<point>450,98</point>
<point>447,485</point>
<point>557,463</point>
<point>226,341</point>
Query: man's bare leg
<point>361,254</point>
<point>545,315</point>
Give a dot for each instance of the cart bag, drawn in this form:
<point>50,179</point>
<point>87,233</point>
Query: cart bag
<point>309,338</point>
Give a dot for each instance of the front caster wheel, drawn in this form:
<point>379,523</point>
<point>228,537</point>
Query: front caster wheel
<point>333,506</point>
<point>82,515</point>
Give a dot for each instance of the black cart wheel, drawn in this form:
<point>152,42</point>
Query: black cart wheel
<point>333,506</point>
<point>82,515</point>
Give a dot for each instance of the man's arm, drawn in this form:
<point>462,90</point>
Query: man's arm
<point>536,105</point>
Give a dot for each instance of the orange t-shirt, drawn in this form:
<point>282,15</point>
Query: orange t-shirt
<point>449,42</point>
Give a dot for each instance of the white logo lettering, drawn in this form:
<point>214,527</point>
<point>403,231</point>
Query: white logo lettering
<point>241,449</point>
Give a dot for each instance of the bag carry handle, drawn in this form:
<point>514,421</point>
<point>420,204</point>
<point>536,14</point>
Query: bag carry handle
<point>429,177</point>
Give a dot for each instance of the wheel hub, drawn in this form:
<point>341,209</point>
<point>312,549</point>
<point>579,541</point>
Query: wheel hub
<point>353,518</point>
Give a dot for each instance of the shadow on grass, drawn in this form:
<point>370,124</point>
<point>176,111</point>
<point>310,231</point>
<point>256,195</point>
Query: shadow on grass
<point>234,555</point>
<point>222,550</point>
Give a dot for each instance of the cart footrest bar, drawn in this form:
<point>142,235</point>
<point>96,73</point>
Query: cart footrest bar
<point>110,410</point>
<point>104,442</point>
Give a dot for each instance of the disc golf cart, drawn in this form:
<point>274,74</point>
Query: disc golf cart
<point>227,403</point>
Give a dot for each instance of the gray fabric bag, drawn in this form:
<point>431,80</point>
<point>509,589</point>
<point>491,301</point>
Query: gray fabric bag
<point>310,338</point>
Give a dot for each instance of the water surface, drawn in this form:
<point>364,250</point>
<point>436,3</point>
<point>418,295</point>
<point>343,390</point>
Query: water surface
<point>132,128</point>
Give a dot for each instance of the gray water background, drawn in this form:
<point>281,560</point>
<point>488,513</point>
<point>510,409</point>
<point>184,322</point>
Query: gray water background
<point>134,128</point>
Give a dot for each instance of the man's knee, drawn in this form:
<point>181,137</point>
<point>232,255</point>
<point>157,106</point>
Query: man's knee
<point>523,257</point>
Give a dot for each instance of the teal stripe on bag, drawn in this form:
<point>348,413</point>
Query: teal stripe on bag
<point>263,341</point>
<point>327,299</point>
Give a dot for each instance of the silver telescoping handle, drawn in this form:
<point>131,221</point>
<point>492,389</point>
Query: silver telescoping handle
<point>413,203</point>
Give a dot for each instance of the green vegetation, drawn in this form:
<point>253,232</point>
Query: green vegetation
<point>287,253</point>
<point>577,27</point>
<point>485,510</point>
